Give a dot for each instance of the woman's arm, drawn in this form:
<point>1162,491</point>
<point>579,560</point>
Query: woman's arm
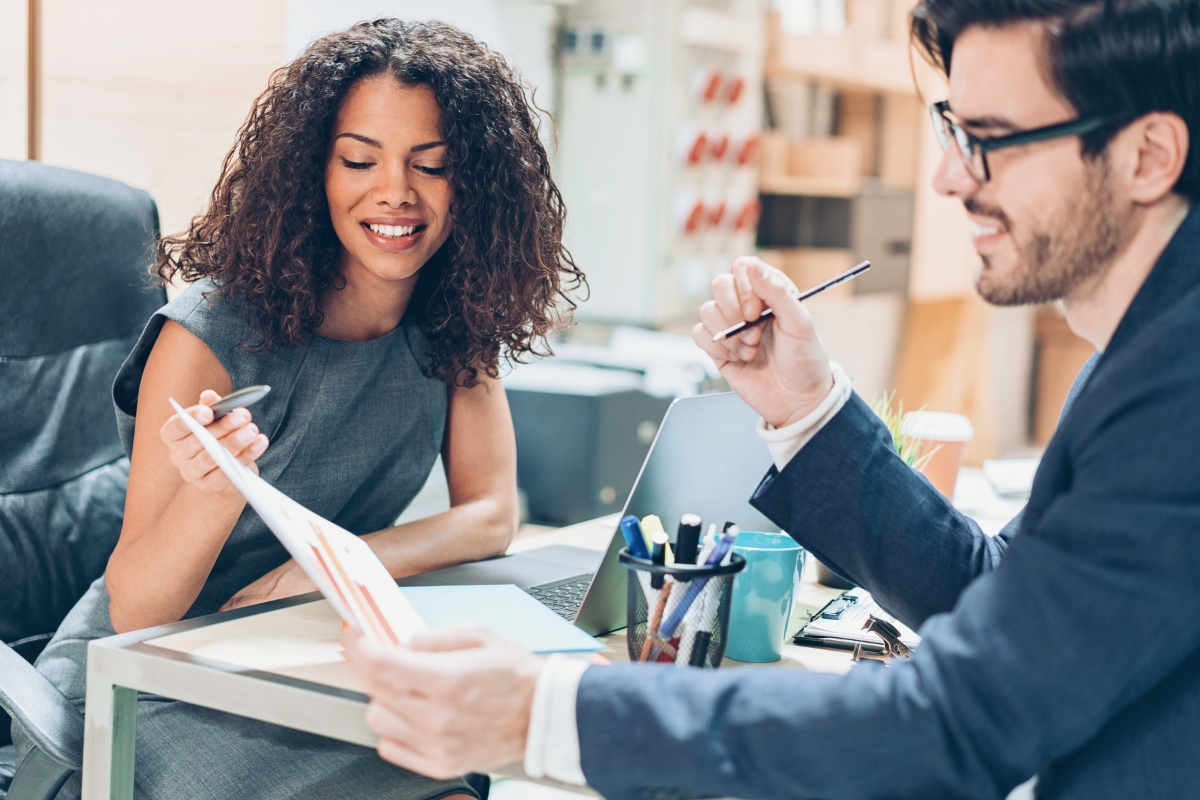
<point>480,456</point>
<point>179,508</point>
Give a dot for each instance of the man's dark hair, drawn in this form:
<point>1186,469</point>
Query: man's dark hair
<point>1119,59</point>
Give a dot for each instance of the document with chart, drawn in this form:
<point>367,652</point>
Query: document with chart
<point>345,570</point>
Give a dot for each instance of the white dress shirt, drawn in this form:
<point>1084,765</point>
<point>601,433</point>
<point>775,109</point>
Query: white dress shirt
<point>552,744</point>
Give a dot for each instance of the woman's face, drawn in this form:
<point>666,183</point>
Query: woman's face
<point>385,180</point>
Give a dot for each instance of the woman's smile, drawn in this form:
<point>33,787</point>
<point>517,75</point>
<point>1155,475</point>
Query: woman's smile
<point>393,234</point>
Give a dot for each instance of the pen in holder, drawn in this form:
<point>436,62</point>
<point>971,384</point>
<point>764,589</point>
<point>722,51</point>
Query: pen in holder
<point>686,622</point>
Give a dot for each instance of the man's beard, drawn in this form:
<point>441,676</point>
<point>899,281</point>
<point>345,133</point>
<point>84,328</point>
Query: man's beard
<point>1088,236</point>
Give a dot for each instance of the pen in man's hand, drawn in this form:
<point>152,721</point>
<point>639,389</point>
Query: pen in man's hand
<point>849,274</point>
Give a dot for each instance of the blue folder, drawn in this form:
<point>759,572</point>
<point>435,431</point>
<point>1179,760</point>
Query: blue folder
<point>504,610</point>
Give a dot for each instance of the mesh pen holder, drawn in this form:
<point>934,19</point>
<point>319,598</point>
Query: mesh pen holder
<point>686,621</point>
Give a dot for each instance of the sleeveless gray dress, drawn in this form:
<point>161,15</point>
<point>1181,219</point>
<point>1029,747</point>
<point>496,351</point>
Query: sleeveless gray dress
<point>354,428</point>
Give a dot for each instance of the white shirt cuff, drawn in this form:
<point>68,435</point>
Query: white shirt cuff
<point>552,744</point>
<point>785,442</point>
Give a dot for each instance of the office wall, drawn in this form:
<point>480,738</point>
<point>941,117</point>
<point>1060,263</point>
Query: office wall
<point>12,78</point>
<point>151,92</point>
<point>523,30</point>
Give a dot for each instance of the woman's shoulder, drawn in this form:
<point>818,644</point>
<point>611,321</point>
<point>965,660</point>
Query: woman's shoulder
<point>218,321</point>
<point>222,327</point>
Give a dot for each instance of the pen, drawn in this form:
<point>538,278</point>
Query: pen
<point>697,585</point>
<point>658,556</point>
<point>687,539</point>
<point>704,628</point>
<point>849,274</point>
<point>731,531</point>
<point>652,524</point>
<point>663,596</point>
<point>632,532</point>
<point>710,541</point>
<point>691,627</point>
<point>838,644</point>
<point>239,399</point>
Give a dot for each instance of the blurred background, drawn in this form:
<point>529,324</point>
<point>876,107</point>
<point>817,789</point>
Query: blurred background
<point>684,133</point>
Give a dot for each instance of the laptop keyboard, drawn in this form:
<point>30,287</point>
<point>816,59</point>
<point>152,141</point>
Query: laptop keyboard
<point>563,597</point>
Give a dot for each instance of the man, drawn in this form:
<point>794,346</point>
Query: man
<point>1069,646</point>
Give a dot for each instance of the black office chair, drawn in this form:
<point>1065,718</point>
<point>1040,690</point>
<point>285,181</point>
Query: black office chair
<point>74,295</point>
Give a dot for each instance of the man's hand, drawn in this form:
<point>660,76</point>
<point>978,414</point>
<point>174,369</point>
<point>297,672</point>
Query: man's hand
<point>451,702</point>
<point>286,580</point>
<point>780,367</point>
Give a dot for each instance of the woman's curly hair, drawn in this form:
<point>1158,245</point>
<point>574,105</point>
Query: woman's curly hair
<point>499,284</point>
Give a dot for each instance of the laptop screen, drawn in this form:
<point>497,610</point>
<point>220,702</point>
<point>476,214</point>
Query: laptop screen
<point>707,459</point>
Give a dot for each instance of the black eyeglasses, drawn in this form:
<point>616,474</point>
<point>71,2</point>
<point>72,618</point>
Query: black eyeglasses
<point>974,150</point>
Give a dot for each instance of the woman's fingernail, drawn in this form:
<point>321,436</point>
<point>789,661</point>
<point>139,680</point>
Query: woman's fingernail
<point>245,435</point>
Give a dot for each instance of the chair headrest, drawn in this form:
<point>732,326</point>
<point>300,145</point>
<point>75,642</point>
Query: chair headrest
<point>74,254</point>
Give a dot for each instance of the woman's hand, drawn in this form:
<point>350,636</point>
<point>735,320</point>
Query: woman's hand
<point>286,580</point>
<point>235,431</point>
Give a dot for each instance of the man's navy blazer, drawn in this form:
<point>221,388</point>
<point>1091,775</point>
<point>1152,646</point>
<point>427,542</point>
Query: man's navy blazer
<point>1067,647</point>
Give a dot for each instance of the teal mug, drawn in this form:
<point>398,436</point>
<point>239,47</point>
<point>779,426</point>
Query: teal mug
<point>763,595</point>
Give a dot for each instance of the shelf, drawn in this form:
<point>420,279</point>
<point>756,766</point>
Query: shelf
<point>704,27</point>
<point>808,266</point>
<point>804,185</point>
<point>829,166</point>
<point>846,60</point>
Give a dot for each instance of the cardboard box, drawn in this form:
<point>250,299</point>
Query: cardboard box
<point>809,266</point>
<point>828,157</point>
<point>1059,355</point>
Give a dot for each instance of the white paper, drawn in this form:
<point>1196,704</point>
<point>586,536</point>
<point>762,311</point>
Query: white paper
<point>1011,477</point>
<point>344,568</point>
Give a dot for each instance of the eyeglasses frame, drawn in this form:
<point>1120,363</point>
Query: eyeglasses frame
<point>1072,127</point>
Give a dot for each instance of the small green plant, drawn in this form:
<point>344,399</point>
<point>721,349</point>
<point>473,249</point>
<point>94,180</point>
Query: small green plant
<point>891,411</point>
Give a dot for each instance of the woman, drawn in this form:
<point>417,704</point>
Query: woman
<point>384,232</point>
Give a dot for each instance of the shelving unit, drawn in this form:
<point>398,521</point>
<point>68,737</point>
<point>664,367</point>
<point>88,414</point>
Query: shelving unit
<point>854,60</point>
<point>658,140</point>
<point>864,137</point>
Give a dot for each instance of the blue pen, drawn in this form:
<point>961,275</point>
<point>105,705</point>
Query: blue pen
<point>667,629</point>
<point>632,531</point>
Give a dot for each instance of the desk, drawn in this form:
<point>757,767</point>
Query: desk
<point>281,662</point>
<point>278,662</point>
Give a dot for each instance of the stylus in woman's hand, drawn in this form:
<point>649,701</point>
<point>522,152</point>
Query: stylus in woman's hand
<point>239,399</point>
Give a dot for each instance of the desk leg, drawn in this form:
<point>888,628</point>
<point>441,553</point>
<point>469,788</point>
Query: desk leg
<point>110,737</point>
<point>124,742</point>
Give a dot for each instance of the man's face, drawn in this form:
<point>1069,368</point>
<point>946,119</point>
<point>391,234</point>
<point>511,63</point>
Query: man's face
<point>1046,224</point>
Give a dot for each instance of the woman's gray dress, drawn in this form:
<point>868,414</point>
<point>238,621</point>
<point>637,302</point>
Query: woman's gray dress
<point>355,428</point>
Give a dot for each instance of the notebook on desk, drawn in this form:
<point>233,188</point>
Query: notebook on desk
<point>840,624</point>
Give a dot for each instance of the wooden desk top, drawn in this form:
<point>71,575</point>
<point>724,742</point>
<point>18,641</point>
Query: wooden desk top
<point>302,641</point>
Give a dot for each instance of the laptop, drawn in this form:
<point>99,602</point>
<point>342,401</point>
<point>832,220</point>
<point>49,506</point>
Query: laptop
<point>706,459</point>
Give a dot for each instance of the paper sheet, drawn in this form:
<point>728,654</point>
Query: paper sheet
<point>342,566</point>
